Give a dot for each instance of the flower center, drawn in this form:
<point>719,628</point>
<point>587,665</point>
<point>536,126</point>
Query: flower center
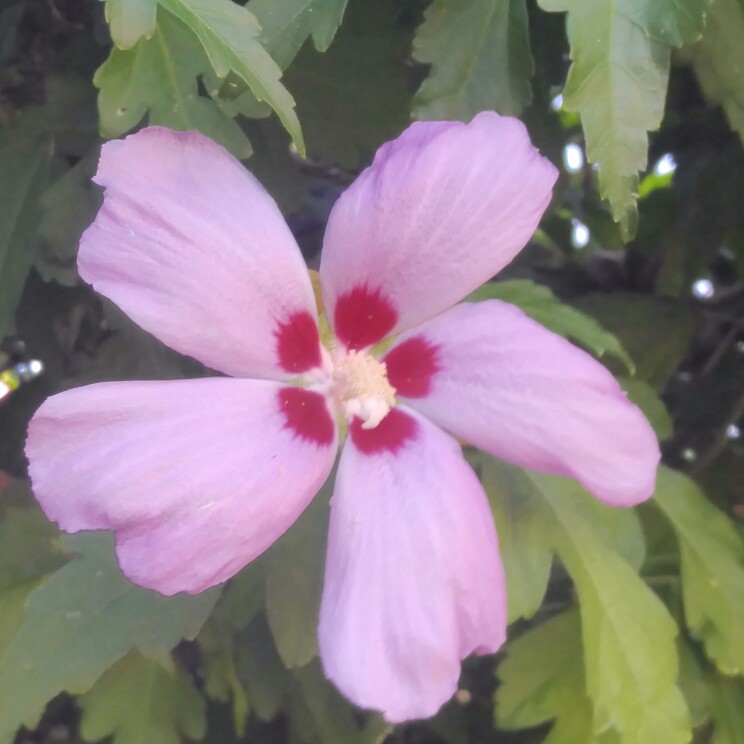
<point>361,388</point>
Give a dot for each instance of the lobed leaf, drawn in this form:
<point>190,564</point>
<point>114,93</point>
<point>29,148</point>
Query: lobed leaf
<point>480,55</point>
<point>624,624</point>
<point>141,700</point>
<point>621,52</point>
<point>285,26</point>
<point>130,20</point>
<point>542,680</point>
<point>294,580</point>
<point>712,569</point>
<point>82,620</point>
<point>159,76</point>
<point>229,34</point>
<point>718,60</point>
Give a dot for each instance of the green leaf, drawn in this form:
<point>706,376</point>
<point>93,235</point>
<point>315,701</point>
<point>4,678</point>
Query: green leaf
<point>159,75</point>
<point>220,672</point>
<point>285,26</point>
<point>629,648</point>
<point>653,408</point>
<point>294,580</point>
<point>341,121</point>
<point>140,700</point>
<point>260,670</point>
<point>621,52</point>
<point>23,174</point>
<point>712,568</point>
<point>727,710</point>
<point>524,550</point>
<point>82,620</point>
<point>628,635</point>
<point>69,206</point>
<point>542,305</point>
<point>542,679</point>
<point>228,33</point>
<point>656,331</point>
<point>28,547</point>
<point>718,60</point>
<point>130,20</point>
<point>320,715</point>
<point>241,601</point>
<point>479,51</point>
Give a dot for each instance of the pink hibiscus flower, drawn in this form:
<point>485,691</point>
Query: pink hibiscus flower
<point>198,477</point>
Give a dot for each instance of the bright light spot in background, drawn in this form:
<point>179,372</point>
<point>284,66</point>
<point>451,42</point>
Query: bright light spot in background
<point>579,234</point>
<point>703,289</point>
<point>689,454</point>
<point>557,102</point>
<point>665,164</point>
<point>573,158</point>
<point>733,431</point>
<point>36,367</point>
<point>4,390</point>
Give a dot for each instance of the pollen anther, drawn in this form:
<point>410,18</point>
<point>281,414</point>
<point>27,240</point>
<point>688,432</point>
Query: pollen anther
<point>362,388</point>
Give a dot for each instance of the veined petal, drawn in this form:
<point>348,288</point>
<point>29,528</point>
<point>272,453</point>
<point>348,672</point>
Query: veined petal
<point>413,580</point>
<point>441,210</point>
<point>192,248</point>
<point>499,380</point>
<point>196,477</point>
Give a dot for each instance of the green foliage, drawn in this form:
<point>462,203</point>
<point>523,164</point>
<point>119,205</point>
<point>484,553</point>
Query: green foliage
<point>159,75</point>
<point>645,397</point>
<point>68,207</point>
<point>718,60</point>
<point>228,33</point>
<point>712,554</point>
<point>621,53</point>
<point>285,26</point>
<point>623,622</point>
<point>22,178</point>
<point>542,679</point>
<point>492,71</point>
<point>368,54</point>
<point>142,700</point>
<point>655,331</point>
<point>82,620</point>
<point>526,556</point>
<point>294,580</point>
<point>541,305</point>
<point>130,20</point>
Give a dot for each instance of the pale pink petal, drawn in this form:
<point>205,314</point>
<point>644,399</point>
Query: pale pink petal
<point>413,580</point>
<point>197,477</point>
<point>499,380</point>
<point>193,249</point>
<point>441,210</point>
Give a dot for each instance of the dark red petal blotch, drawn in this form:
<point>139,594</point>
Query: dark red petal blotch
<point>362,317</point>
<point>298,343</point>
<point>306,414</point>
<point>389,435</point>
<point>411,367</point>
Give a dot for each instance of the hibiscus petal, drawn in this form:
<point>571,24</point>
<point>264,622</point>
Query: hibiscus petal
<point>441,210</point>
<point>192,248</point>
<point>413,580</point>
<point>499,380</point>
<point>197,477</point>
